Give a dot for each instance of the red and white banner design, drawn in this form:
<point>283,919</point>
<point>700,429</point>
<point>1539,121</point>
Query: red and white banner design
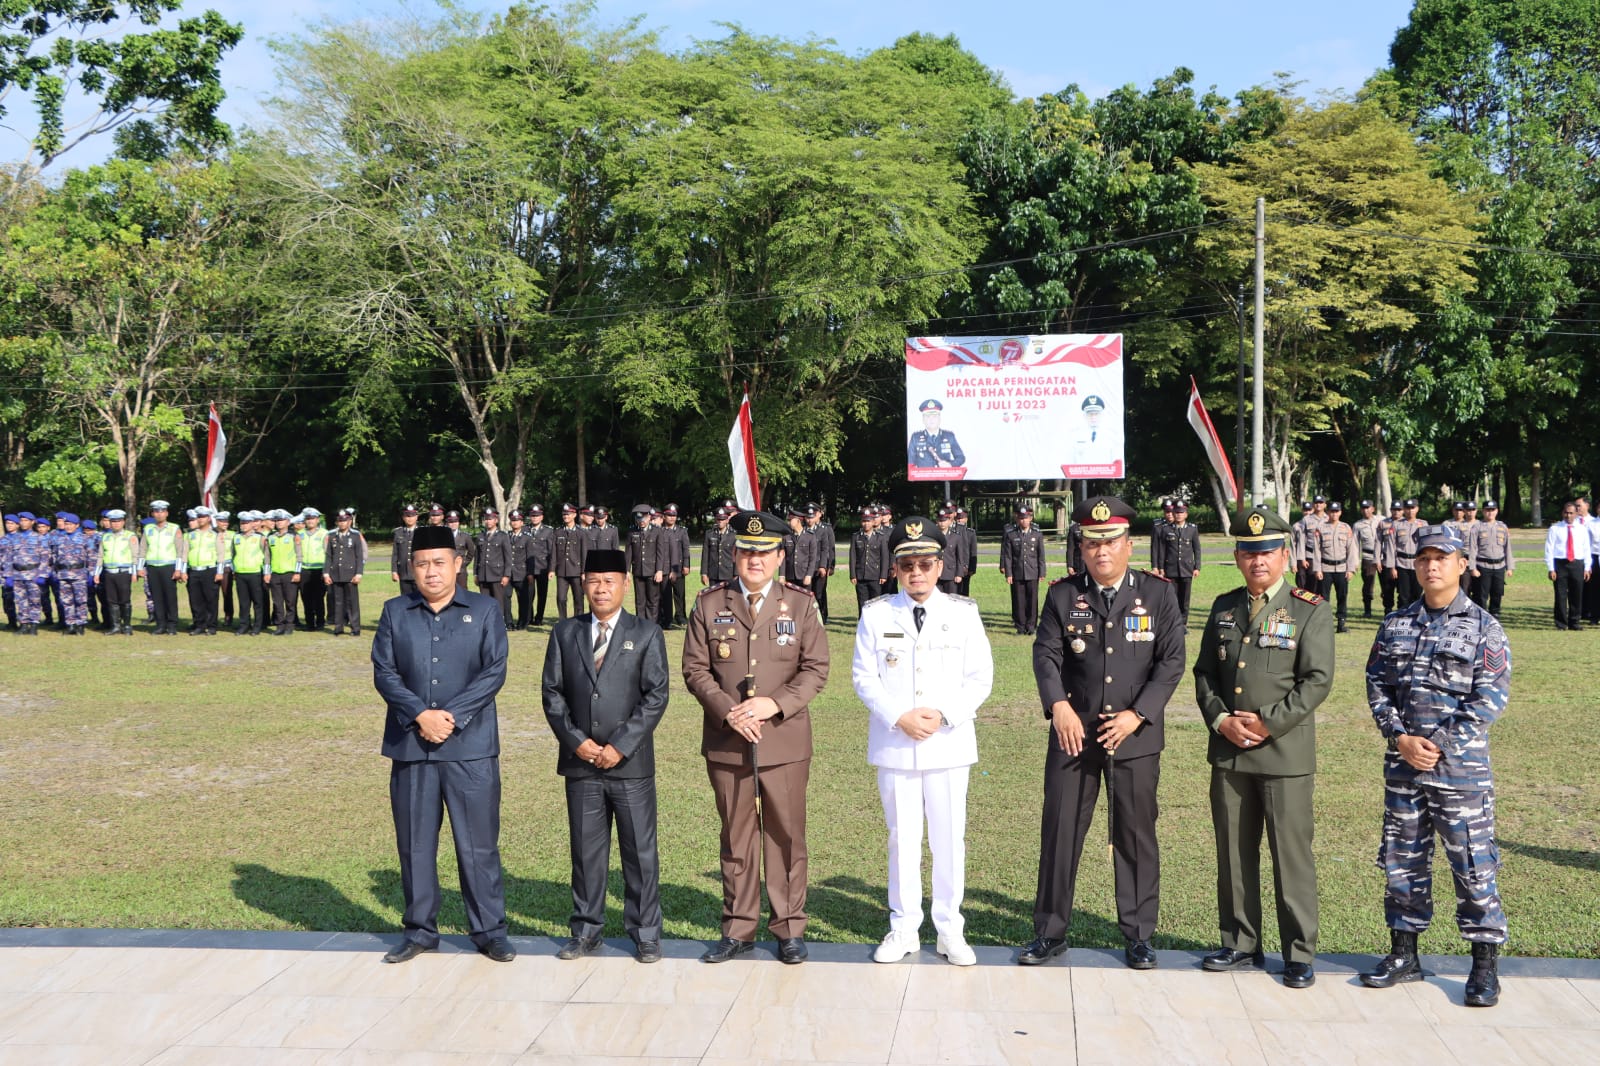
<point>216,455</point>
<point>998,408</point>
<point>1201,422</point>
<point>742,453</point>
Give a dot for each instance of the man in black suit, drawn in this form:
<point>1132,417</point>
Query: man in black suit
<point>438,661</point>
<point>605,689</point>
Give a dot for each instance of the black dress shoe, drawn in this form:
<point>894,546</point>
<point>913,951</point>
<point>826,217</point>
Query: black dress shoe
<point>578,947</point>
<point>407,951</point>
<point>727,948</point>
<point>1224,959</point>
<point>499,949</point>
<point>1042,950</point>
<point>1299,975</point>
<point>649,951</point>
<point>792,950</point>
<point>1139,955</point>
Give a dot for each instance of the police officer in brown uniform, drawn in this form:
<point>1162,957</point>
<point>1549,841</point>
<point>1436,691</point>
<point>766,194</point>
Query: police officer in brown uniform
<point>1490,559</point>
<point>1366,531</point>
<point>1334,554</point>
<point>1405,555</point>
<point>755,655</point>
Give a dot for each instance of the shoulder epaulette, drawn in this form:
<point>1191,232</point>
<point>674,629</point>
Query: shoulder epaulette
<point>1307,595</point>
<point>1158,577</point>
<point>797,588</point>
<point>960,599</point>
<point>878,599</point>
<point>718,587</point>
<point>1054,583</point>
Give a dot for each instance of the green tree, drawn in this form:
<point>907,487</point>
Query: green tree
<point>159,90</point>
<point>1349,193</point>
<point>116,283</point>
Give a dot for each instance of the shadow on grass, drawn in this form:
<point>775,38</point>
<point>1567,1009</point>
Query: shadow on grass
<point>304,902</point>
<point>1580,860</point>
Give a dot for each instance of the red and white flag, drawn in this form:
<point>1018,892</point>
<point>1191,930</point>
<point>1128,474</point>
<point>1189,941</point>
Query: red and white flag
<point>742,452</point>
<point>1212,443</point>
<point>216,455</point>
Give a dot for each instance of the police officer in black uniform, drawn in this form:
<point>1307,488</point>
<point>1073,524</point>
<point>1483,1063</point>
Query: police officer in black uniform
<point>645,563</point>
<point>716,552</point>
<point>400,562</point>
<point>1023,564</point>
<point>569,546</point>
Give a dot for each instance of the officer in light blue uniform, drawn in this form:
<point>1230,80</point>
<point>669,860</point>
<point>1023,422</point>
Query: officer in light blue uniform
<point>27,564</point>
<point>73,558</point>
<point>1439,675</point>
<point>6,541</point>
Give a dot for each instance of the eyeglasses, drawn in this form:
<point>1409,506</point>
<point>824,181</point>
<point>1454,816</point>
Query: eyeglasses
<point>924,565</point>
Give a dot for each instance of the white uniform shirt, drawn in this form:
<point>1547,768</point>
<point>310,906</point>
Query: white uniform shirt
<point>1555,544</point>
<point>947,666</point>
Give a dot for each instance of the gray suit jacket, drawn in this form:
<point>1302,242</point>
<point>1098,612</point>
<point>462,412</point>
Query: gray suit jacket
<point>621,705</point>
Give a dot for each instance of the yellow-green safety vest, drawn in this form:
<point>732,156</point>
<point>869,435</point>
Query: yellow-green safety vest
<point>161,545</point>
<point>249,554</point>
<point>314,547</point>
<point>203,549</point>
<point>283,557</point>
<point>116,549</point>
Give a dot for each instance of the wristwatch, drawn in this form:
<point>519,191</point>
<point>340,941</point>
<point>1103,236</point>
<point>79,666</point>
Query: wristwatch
<point>1394,743</point>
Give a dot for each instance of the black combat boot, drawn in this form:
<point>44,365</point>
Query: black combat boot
<point>1483,984</point>
<point>1399,966</point>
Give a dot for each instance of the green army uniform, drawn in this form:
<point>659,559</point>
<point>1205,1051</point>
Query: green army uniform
<point>1278,664</point>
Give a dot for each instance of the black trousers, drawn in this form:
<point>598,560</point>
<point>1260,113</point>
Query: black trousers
<point>1183,586</point>
<point>593,804</point>
<point>119,593</point>
<point>1391,588</point>
<point>227,602</point>
<point>569,586</point>
<point>1025,604</point>
<point>1591,593</point>
<point>947,586</point>
<point>1407,590</point>
<point>163,593</point>
<point>97,599</point>
<point>672,600</point>
<point>9,598</point>
<point>517,608</point>
<point>1569,593</point>
<point>419,795</point>
<point>819,589</point>
<point>285,593</point>
<point>501,594</point>
<point>540,585</point>
<point>203,593</point>
<point>964,588</point>
<point>314,597</point>
<point>1489,587</point>
<point>1367,578</point>
<point>647,597</point>
<point>346,597</point>
<point>1305,577</point>
<point>866,589</point>
<point>1071,790</point>
<point>407,586</point>
<point>1332,583</point>
<point>252,601</point>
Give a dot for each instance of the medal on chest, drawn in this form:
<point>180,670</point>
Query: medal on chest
<point>1278,631</point>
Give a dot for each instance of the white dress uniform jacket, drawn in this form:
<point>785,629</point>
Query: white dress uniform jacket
<point>947,666</point>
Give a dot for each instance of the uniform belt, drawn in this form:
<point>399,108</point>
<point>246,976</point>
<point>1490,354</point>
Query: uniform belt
<point>73,566</point>
<point>118,569</point>
<point>208,566</point>
<point>1491,562</point>
<point>1407,555</point>
<point>19,566</point>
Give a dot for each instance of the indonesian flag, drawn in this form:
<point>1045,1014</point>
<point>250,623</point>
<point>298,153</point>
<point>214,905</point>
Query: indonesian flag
<point>742,452</point>
<point>1212,443</point>
<point>216,455</point>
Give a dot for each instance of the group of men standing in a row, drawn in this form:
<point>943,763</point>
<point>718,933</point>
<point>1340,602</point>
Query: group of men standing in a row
<point>93,565</point>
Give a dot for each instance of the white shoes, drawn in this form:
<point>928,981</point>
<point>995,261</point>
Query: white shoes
<point>956,951</point>
<point>896,946</point>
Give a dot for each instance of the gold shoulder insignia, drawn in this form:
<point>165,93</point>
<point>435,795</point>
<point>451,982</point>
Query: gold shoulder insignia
<point>797,588</point>
<point>1307,595</point>
<point>718,587</point>
<point>1158,577</point>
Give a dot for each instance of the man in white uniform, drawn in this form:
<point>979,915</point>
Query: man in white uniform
<point>923,668</point>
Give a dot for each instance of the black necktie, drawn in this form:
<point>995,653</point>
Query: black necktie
<point>917,615</point>
<point>1108,595</point>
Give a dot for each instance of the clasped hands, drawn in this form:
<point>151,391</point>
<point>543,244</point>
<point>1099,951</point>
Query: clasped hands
<point>1115,727</point>
<point>1244,729</point>
<point>920,723</point>
<point>602,758</point>
<point>745,718</point>
<point>436,725</point>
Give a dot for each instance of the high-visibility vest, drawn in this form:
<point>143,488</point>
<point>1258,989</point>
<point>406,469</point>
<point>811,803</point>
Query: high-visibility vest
<point>249,554</point>
<point>116,549</point>
<point>283,557</point>
<point>314,547</point>
<point>161,545</point>
<point>203,549</point>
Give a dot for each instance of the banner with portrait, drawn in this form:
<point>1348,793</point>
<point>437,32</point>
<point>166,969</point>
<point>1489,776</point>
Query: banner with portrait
<point>1004,408</point>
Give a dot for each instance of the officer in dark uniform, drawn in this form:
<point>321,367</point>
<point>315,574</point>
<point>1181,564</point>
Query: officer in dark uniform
<point>1156,530</point>
<point>465,545</point>
<point>827,556</point>
<point>606,536</point>
<point>1074,549</point>
<point>569,546</point>
<point>1023,564</point>
<point>343,565</point>
<point>1265,664</point>
<point>1107,658</point>
<point>716,552</point>
<point>518,541</point>
<point>866,559</point>
<point>1179,551</point>
<point>675,542</point>
<point>541,561</point>
<point>799,552</point>
<point>964,527</point>
<point>954,554</point>
<point>400,561</point>
<point>645,563</point>
<point>930,446</point>
<point>491,554</point>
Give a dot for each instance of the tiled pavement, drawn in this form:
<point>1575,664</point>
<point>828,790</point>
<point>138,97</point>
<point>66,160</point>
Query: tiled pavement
<point>115,997</point>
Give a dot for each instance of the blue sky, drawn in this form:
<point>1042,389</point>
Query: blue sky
<point>1039,46</point>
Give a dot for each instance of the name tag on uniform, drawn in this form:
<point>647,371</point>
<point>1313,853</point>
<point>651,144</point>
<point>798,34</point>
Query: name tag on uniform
<point>1080,614</point>
<point>1226,622</point>
<point>894,636</point>
<point>722,620</point>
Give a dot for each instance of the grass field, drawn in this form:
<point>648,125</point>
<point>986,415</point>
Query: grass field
<point>236,783</point>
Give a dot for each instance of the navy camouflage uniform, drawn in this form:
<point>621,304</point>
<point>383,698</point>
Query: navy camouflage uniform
<point>1445,676</point>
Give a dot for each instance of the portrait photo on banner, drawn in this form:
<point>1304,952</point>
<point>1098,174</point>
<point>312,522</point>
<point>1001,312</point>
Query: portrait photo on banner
<point>1001,408</point>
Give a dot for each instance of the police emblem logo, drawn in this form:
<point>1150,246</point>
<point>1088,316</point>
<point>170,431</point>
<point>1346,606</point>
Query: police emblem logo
<point>1101,512</point>
<point>466,618</point>
<point>1256,524</point>
<point>913,530</point>
<point>753,526</point>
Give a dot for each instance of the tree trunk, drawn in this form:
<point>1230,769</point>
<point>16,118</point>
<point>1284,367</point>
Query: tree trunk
<point>1511,501</point>
<point>1220,499</point>
<point>1385,493</point>
<point>583,466</point>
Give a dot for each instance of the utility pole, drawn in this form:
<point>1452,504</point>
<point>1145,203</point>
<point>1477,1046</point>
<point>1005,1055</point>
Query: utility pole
<point>1238,423</point>
<point>1257,492</point>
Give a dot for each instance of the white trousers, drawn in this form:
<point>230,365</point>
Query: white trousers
<point>941,795</point>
